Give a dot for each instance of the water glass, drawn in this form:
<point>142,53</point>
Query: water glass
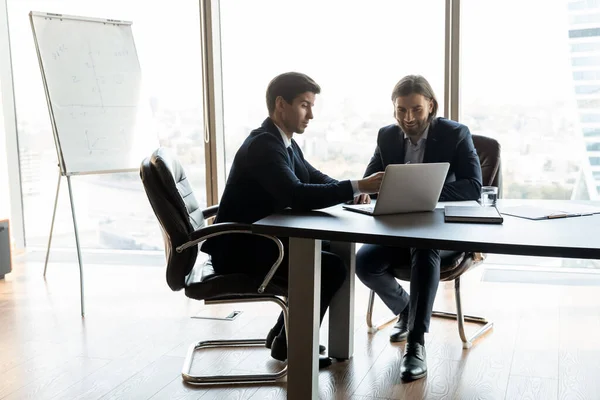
<point>489,195</point>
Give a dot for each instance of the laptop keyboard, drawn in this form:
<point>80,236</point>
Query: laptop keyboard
<point>366,208</point>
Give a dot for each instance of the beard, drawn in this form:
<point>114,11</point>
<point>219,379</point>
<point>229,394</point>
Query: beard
<point>415,129</point>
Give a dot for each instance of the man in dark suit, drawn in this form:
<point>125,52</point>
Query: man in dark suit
<point>418,137</point>
<point>269,173</point>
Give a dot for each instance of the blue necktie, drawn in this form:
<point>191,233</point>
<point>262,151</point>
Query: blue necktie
<point>291,154</point>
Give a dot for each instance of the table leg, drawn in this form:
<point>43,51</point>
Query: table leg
<point>341,310</point>
<point>304,298</point>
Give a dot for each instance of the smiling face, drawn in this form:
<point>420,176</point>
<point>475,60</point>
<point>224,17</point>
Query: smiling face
<point>412,113</point>
<point>295,116</point>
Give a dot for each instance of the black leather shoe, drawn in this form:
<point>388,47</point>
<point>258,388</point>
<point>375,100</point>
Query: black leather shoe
<point>414,362</point>
<point>399,332</point>
<point>324,362</point>
<point>273,334</point>
<point>279,352</point>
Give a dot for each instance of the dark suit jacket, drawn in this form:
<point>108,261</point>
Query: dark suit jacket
<point>263,181</point>
<point>447,141</point>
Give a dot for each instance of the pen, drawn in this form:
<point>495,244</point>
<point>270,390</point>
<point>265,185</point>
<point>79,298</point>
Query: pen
<point>551,216</point>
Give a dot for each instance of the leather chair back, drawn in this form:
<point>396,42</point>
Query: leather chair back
<point>177,210</point>
<point>488,150</point>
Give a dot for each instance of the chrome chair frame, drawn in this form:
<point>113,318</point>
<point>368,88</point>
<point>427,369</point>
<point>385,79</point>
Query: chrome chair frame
<point>467,341</point>
<point>177,212</point>
<point>240,378</point>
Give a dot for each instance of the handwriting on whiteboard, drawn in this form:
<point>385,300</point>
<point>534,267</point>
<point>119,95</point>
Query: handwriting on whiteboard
<point>92,78</point>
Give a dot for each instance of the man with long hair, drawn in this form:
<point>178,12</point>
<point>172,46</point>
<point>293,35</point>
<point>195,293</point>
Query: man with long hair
<point>417,137</point>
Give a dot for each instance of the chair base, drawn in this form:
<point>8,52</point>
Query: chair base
<point>233,379</point>
<point>374,328</point>
<point>227,379</point>
<point>467,342</point>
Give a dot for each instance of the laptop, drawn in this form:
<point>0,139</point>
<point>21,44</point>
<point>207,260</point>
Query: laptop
<point>406,188</point>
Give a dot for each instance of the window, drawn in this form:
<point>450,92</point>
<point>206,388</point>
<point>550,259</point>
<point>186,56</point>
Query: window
<point>592,103</point>
<point>577,5</point>
<point>354,51</point>
<point>585,61</point>
<point>586,118</point>
<point>588,89</point>
<point>584,47</point>
<point>585,18</point>
<point>522,98</point>
<point>585,35</point>
<point>112,210</point>
<point>591,132</point>
<point>586,75</point>
<point>582,33</point>
<point>593,146</point>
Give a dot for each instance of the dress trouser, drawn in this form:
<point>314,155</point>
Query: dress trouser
<point>374,267</point>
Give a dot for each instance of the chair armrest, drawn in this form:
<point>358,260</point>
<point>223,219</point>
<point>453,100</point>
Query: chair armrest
<point>214,230</point>
<point>224,228</point>
<point>210,212</point>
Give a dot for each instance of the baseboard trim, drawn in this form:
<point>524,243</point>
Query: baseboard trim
<point>542,276</point>
<point>96,256</point>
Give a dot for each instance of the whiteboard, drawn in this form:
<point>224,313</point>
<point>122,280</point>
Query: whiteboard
<point>101,120</point>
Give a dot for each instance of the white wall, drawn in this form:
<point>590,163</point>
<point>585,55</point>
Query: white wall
<point>4,196</point>
<point>10,177</point>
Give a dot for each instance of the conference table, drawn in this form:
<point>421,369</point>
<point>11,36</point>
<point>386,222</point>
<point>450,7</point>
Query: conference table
<point>575,237</point>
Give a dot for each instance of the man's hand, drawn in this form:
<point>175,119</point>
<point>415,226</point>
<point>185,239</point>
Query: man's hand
<point>371,183</point>
<point>362,199</point>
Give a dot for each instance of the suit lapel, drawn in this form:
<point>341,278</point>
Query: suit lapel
<point>431,147</point>
<point>270,127</point>
<point>397,157</point>
<point>299,168</point>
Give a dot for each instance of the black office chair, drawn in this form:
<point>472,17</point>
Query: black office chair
<point>183,227</point>
<point>453,266</point>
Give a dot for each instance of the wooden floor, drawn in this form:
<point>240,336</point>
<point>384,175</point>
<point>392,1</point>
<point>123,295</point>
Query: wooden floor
<point>132,342</point>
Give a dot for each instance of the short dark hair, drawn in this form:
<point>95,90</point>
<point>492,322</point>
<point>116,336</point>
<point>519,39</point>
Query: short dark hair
<point>289,85</point>
<point>415,84</point>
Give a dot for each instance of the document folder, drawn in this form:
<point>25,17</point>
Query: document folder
<point>479,215</point>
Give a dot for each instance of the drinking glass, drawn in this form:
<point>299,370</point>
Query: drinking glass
<point>489,195</point>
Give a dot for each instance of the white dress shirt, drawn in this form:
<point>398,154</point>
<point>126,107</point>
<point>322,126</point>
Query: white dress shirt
<point>414,153</point>
<point>287,141</point>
